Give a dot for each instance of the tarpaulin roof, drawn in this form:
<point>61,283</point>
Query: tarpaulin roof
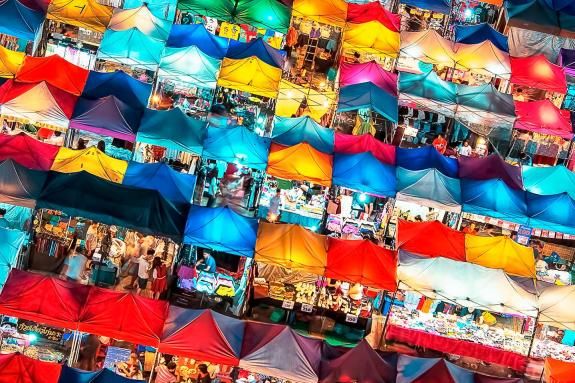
<point>549,180</point>
<point>441,6</point>
<point>196,35</point>
<point>174,186</point>
<point>373,11</point>
<point>331,12</point>
<point>131,47</point>
<point>365,173</point>
<point>356,73</point>
<point>429,185</point>
<point>141,19</point>
<point>351,144</point>
<point>361,261</point>
<point>22,369</point>
<point>556,307</point>
<point>120,85</point>
<point>482,58</point>
<point>221,229</point>
<point>431,239</point>
<point>90,160</point>
<point>10,61</point>
<point>27,151</point>
<point>203,335</point>
<point>12,241</point>
<point>428,46</point>
<point>54,70</point>
<point>493,198</point>
<point>552,17</point>
<point>256,48</point>
<point>464,283</point>
<point>165,9</point>
<point>426,157</point>
<point>537,72</point>
<point>543,117</point>
<point>552,212</point>
<point>172,129</point>
<point>124,316</point>
<point>474,34</point>
<point>371,38</point>
<point>19,185</point>
<point>83,195</point>
<point>292,131</point>
<point>291,246</point>
<point>237,144</point>
<point>292,96</point>
<point>485,105</point>
<point>427,370</point>
<point>250,75</point>
<point>300,162</point>
<point>557,371</point>
<point>16,19</point>
<point>299,361</point>
<point>189,65</point>
<point>368,95</point>
<point>108,116</point>
<point>429,91</point>
<point>87,14</point>
<point>43,299</point>
<point>567,61</point>
<point>500,253</point>
<point>105,375</point>
<point>492,166</point>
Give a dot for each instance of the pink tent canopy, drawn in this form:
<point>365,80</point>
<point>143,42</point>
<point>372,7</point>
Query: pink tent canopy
<point>537,72</point>
<point>543,117</point>
<point>373,11</point>
<point>350,144</point>
<point>352,73</point>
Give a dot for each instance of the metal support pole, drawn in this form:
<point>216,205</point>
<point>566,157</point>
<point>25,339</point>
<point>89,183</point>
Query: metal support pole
<point>156,361</point>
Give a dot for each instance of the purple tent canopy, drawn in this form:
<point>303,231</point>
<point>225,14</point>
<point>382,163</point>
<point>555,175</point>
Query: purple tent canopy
<point>567,61</point>
<point>492,166</point>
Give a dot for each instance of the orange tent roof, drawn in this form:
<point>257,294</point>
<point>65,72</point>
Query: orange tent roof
<point>56,71</point>
<point>300,162</point>
<point>557,371</point>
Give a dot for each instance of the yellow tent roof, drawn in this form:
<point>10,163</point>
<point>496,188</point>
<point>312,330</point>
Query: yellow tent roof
<point>290,97</point>
<point>500,253</point>
<point>483,58</point>
<point>291,246</point>
<point>300,162</point>
<point>250,75</point>
<point>371,38</point>
<point>10,61</point>
<point>332,12</point>
<point>90,160</point>
<point>87,14</point>
<point>427,46</point>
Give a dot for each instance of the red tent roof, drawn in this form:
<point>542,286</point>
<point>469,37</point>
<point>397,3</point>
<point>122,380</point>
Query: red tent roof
<point>12,89</point>
<point>27,151</point>
<point>543,117</point>
<point>17,368</point>
<point>537,72</point>
<point>432,239</point>
<point>43,299</point>
<point>362,262</point>
<point>373,11</point>
<point>123,316</point>
<point>350,144</point>
<point>54,70</point>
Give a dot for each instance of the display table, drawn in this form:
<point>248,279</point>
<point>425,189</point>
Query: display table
<point>489,354</point>
<point>289,216</point>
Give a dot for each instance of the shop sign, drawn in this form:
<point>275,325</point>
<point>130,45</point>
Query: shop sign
<point>306,308</point>
<point>349,318</point>
<point>44,332</point>
<point>524,234</point>
<point>288,305</point>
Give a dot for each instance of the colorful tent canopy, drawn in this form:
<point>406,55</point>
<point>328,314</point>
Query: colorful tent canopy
<point>428,91</point>
<point>124,316</point>
<point>537,72</point>
<point>429,187</point>
<point>368,95</point>
<point>203,335</point>
<point>257,48</point>
<point>19,185</point>
<point>371,38</point>
<point>300,162</point>
<point>120,85</point>
<point>493,198</point>
<point>23,369</point>
<point>331,12</point>
<point>464,283</point>
<point>259,352</point>
<point>27,151</point>
<point>10,61</point>
<point>172,129</point>
<point>492,166</point>
<point>482,58</point>
<point>557,371</point>
<point>131,47</point>
<point>83,195</point>
<point>356,73</point>
<point>237,144</point>
<point>19,20</point>
<point>428,46</point>
<point>291,246</point>
<point>189,65</point>
<point>552,17</point>
<point>90,160</point>
<point>567,61</point>
<point>142,19</point>
<point>365,173</point>
<point>108,116</point>
<point>484,104</point>
<point>43,299</point>
<point>556,307</point>
<point>549,180</point>
<point>440,6</point>
<point>12,241</point>
<point>431,239</point>
<point>164,9</point>
<point>361,261</point>
<point>196,35</point>
<point>105,375</point>
<point>552,212</point>
<point>174,186</point>
<point>250,75</point>
<point>474,34</point>
<point>426,157</point>
<point>543,117</point>
<point>500,253</point>
<point>221,229</point>
<point>292,131</point>
<point>351,144</point>
<point>54,70</point>
<point>373,11</point>
<point>87,14</point>
<point>426,370</point>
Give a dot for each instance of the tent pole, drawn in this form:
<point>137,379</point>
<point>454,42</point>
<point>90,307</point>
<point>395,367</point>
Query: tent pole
<point>156,361</point>
<point>533,336</point>
<point>382,340</point>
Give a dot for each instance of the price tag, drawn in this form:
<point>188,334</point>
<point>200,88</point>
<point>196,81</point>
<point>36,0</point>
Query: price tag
<point>306,308</point>
<point>349,318</point>
<point>288,305</point>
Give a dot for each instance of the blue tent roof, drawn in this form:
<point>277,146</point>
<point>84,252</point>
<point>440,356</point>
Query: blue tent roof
<point>187,35</point>
<point>552,17</point>
<point>549,180</point>
<point>174,186</point>
<point>172,129</point>
<point>429,86</point>
<point>18,20</point>
<point>441,6</point>
<point>131,47</point>
<point>221,229</point>
<point>475,34</point>
<point>486,98</point>
<point>237,144</point>
<point>11,242</point>
<point>365,173</point>
<point>119,84</point>
<point>74,375</point>
<point>292,131</point>
<point>495,199</point>
<point>551,212</point>
<point>368,95</point>
<point>258,48</point>
<point>429,184</point>
<point>426,157</point>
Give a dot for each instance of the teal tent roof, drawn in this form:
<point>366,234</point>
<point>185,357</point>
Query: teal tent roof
<point>237,144</point>
<point>131,47</point>
<point>549,180</point>
<point>292,131</point>
<point>427,186</point>
<point>368,95</point>
<point>189,65</point>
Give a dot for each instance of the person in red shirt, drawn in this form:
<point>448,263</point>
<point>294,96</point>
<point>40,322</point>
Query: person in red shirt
<point>440,144</point>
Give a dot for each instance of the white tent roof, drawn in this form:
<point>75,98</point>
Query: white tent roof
<point>557,307</point>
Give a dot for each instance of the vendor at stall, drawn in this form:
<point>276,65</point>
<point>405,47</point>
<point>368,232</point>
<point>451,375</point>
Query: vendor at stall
<point>208,263</point>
